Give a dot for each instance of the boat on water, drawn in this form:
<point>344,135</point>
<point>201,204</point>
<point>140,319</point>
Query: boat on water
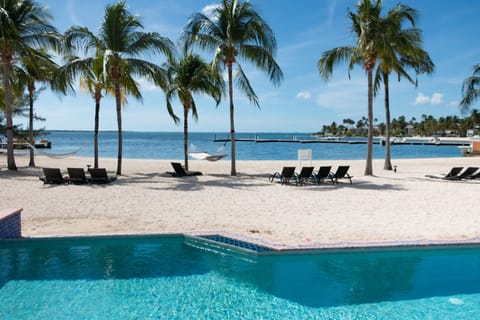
<point>395,140</point>
<point>435,140</point>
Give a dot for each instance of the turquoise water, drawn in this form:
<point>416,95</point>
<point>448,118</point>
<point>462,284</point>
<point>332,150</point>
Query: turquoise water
<point>169,145</point>
<point>166,278</point>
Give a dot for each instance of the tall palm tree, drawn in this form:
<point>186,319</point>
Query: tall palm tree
<point>24,25</point>
<point>402,49</point>
<point>233,30</point>
<point>186,77</point>
<point>366,24</point>
<point>30,70</point>
<point>120,43</point>
<point>93,80</point>
<point>470,89</point>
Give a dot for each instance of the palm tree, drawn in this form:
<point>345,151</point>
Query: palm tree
<point>24,25</point>
<point>189,76</point>
<point>234,30</point>
<point>470,89</point>
<point>92,79</point>
<point>120,43</point>
<point>367,27</point>
<point>402,48</point>
<point>30,70</point>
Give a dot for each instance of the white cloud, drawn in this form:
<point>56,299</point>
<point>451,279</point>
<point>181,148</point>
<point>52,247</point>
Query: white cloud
<point>208,10</point>
<point>422,99</point>
<point>331,12</point>
<point>436,98</point>
<point>305,95</point>
<point>454,103</point>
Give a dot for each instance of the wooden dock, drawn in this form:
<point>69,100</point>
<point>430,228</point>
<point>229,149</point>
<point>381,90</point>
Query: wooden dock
<point>339,141</point>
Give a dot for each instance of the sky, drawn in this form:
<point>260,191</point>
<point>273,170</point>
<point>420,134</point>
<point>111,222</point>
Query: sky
<point>303,102</point>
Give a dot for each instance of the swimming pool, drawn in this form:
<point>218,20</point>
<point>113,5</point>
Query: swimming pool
<point>172,277</point>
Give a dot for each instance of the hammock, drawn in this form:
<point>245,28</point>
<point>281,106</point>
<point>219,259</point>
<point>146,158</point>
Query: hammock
<point>55,155</point>
<point>206,156</point>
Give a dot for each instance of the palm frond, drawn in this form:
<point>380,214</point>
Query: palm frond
<point>470,91</point>
<point>244,85</point>
<point>264,60</point>
<point>333,57</point>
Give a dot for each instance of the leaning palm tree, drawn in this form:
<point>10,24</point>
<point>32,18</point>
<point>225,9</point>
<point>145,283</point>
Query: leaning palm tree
<point>186,77</point>
<point>470,89</point>
<point>120,43</point>
<point>402,49</point>
<point>24,25</point>
<point>233,30</point>
<point>30,70</point>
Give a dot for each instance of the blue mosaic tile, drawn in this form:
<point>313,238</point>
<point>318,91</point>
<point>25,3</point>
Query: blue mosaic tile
<point>237,243</point>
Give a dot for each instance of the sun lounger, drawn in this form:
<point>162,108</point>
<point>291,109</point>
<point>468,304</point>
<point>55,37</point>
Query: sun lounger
<point>287,174</point>
<point>341,173</point>
<point>181,172</point>
<point>451,175</point>
<point>100,176</point>
<point>77,176</point>
<point>53,176</point>
<point>306,173</point>
<point>322,174</point>
<point>474,176</point>
<point>470,171</point>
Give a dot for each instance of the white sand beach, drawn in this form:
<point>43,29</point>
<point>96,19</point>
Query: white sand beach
<point>390,206</point>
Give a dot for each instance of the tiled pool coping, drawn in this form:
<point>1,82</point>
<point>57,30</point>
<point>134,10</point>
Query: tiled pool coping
<point>258,245</point>
<point>10,223</point>
<point>232,239</point>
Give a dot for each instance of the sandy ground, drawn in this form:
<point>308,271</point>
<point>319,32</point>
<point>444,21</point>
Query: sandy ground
<point>390,206</point>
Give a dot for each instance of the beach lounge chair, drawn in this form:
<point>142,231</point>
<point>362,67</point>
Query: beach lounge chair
<point>322,174</point>
<point>341,173</point>
<point>474,176</point>
<point>100,176</point>
<point>53,176</point>
<point>306,173</point>
<point>468,173</point>
<point>451,175</point>
<point>77,176</point>
<point>285,176</point>
<point>181,172</point>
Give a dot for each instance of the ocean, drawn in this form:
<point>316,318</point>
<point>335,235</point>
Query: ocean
<point>169,145</point>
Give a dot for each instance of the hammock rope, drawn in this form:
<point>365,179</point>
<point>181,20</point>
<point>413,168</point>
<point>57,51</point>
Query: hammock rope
<point>56,155</point>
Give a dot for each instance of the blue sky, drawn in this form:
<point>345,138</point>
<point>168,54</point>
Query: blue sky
<point>303,102</point>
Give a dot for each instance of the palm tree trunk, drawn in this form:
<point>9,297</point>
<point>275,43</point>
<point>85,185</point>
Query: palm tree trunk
<point>185,135</point>
<point>368,165</point>
<point>119,125</point>
<point>31,88</point>
<point>233,170</point>
<point>95,133</point>
<point>8,113</point>
<point>388,162</point>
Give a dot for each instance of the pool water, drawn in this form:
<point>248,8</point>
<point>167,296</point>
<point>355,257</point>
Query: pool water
<point>169,277</point>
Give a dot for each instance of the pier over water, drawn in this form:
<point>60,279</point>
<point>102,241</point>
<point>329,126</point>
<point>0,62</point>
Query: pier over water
<point>295,139</point>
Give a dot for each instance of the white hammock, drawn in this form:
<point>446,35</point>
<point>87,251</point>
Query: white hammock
<point>55,155</point>
<point>206,156</point>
